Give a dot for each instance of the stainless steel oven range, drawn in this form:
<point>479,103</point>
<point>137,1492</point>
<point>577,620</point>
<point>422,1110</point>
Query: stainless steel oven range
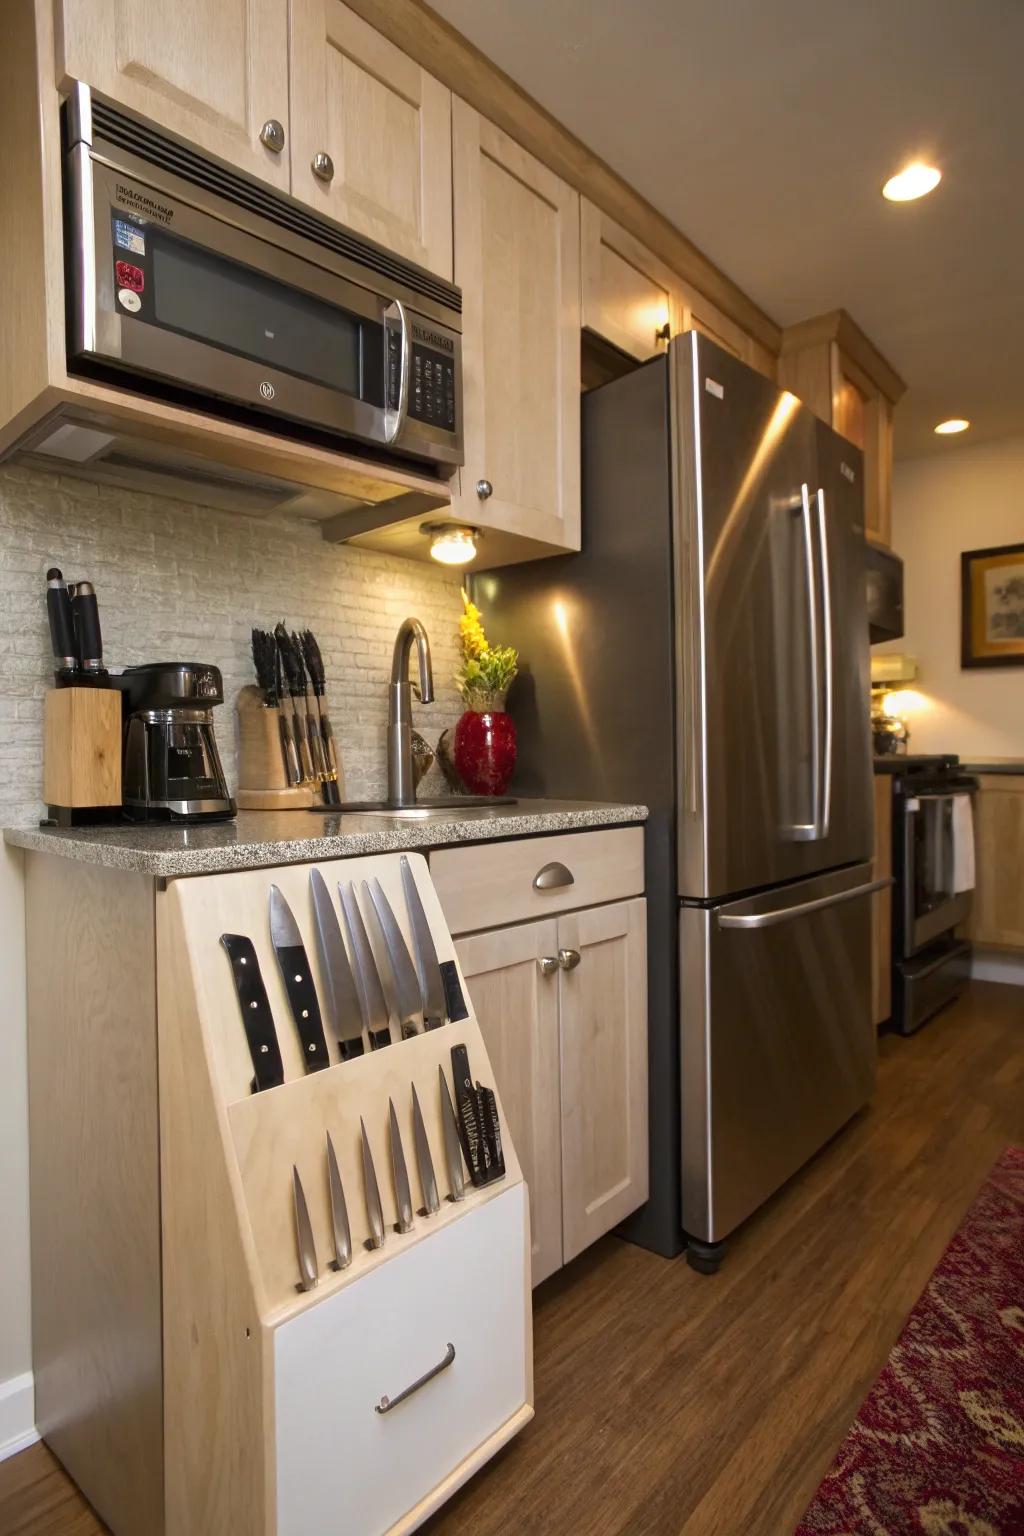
<point>183,274</point>
<point>932,895</point>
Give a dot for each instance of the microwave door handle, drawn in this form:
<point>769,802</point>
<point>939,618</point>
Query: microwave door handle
<point>827,668</point>
<point>394,416</point>
<point>809,832</point>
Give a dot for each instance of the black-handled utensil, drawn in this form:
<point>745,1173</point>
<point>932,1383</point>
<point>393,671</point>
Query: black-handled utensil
<point>257,1017</point>
<point>62,628</point>
<point>85,613</point>
<point>298,982</point>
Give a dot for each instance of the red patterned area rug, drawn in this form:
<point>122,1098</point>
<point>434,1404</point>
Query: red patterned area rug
<point>937,1448</point>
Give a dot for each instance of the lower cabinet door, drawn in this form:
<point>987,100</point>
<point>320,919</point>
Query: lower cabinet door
<point>603,998</point>
<point>448,1313</point>
<point>516,1005</point>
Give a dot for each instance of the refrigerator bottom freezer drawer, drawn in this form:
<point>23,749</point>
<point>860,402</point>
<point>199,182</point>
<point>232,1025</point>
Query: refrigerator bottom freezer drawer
<point>778,1048</point>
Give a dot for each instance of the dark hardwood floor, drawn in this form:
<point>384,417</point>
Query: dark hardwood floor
<point>671,1405</point>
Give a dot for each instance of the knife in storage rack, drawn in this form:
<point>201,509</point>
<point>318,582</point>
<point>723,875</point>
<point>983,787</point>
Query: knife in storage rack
<point>257,1017</point>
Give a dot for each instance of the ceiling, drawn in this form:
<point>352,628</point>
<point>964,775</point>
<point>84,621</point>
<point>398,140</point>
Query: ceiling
<point>764,133</point>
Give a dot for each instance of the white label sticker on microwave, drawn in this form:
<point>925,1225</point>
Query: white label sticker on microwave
<point>129,238</point>
<point>714,388</point>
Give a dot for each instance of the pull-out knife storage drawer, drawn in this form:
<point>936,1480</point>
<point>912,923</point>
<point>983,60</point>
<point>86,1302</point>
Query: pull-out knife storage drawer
<point>446,1318</point>
<point>493,884</point>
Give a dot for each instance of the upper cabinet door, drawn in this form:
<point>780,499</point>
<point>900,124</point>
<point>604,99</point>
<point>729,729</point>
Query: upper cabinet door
<point>371,134</point>
<point>699,314</point>
<point>214,73</point>
<point>630,297</point>
<point>517,243</point>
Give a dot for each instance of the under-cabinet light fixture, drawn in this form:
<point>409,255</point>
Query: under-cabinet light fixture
<point>451,543</point>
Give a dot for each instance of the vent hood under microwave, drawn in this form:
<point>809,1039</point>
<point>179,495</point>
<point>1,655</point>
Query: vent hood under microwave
<point>348,497</point>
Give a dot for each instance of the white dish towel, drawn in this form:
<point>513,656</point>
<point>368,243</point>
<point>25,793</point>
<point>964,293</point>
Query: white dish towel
<point>963,844</point>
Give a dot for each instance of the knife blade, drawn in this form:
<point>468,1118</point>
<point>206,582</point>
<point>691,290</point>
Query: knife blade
<point>374,1210</point>
<point>427,968</point>
<point>341,997</point>
<point>257,1016</point>
<point>452,1145</point>
<point>298,982</point>
<point>372,1004</point>
<point>407,998</point>
<point>339,1211</point>
<point>424,1161</point>
<point>403,1194</point>
<point>308,1268</point>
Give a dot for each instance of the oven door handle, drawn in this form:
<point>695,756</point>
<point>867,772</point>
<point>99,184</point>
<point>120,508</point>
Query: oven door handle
<point>394,415</point>
<point>802,909</point>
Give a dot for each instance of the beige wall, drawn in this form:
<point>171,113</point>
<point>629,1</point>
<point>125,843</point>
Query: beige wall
<point>173,580</point>
<point>960,499</point>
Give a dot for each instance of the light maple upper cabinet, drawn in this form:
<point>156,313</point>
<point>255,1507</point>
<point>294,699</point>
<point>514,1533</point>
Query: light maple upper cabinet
<point>517,251</point>
<point>603,1011</point>
<point>516,1005</point>
<point>213,73</point>
<point>832,366</point>
<point>371,134</point>
<point>696,313</point>
<point>629,296</point>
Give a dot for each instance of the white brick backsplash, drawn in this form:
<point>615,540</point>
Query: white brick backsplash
<point>176,581</point>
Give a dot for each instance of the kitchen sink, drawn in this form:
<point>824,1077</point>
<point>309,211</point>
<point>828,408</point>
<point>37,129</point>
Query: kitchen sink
<point>428,810</point>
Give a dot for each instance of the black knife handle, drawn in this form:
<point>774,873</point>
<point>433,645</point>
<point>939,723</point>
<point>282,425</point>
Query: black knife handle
<point>379,1038</point>
<point>62,629</point>
<point>87,627</point>
<point>298,983</point>
<point>256,1013</point>
<point>352,1048</point>
<point>454,1002</point>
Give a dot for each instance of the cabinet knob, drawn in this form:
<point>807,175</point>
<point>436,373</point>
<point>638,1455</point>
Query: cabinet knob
<point>663,333</point>
<point>322,166</point>
<point>568,959</point>
<point>484,488</point>
<point>548,965</point>
<point>272,135</point>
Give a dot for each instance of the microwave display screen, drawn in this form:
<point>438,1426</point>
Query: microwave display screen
<point>201,294</point>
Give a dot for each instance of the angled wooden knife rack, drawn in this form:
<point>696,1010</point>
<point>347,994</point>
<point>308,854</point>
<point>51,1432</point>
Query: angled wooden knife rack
<point>184,1380</point>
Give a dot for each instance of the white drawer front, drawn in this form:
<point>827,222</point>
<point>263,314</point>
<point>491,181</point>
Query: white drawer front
<point>344,1468</point>
<point>492,884</point>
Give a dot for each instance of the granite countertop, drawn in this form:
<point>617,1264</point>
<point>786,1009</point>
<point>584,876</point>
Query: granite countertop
<point>258,838</point>
<point>996,765</point>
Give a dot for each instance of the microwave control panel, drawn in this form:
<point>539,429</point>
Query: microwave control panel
<point>431,383</point>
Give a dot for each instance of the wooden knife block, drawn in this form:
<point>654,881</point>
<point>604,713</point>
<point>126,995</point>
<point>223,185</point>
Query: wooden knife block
<point>82,753</point>
<point>262,781</point>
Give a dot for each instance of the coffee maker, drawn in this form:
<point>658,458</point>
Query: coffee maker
<point>172,769</point>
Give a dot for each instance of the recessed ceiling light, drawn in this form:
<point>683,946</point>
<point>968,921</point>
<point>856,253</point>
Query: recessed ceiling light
<point>954,424</point>
<point>914,181</point>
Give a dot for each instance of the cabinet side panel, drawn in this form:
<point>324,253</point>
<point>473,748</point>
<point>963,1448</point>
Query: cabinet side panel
<point>218,1433</point>
<point>94,1172</point>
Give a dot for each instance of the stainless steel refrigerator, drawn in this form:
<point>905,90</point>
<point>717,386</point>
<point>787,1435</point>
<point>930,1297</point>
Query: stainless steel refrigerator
<point>707,653</point>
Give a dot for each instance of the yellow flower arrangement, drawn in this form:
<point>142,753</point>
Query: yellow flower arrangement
<point>487,671</point>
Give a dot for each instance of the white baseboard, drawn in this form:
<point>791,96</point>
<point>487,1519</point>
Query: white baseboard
<point>996,965</point>
<point>17,1415</point>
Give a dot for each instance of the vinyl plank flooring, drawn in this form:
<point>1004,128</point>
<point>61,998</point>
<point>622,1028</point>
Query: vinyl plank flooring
<point>674,1405</point>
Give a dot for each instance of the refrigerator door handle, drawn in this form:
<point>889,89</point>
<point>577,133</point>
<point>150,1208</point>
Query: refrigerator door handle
<point>810,831</point>
<point>785,914</point>
<point>826,667</point>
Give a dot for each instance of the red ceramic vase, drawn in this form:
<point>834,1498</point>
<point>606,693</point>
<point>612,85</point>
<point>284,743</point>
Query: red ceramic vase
<point>485,750</point>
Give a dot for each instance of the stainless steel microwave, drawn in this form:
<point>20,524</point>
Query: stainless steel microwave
<point>189,276</point>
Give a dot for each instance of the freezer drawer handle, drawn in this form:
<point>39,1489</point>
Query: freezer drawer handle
<point>387,1403</point>
<point>552,876</point>
<point>784,914</point>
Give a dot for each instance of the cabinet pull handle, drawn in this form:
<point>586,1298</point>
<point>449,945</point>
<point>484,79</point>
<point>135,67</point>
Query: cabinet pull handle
<point>548,965</point>
<point>484,488</point>
<point>387,1403</point>
<point>272,135</point>
<point>568,959</point>
<point>322,166</point>
<point>552,876</point>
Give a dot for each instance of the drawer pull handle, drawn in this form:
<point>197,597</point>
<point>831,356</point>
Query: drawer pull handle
<point>387,1403</point>
<point>551,877</point>
<point>568,959</point>
<point>548,965</point>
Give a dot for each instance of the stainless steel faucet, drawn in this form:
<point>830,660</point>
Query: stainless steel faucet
<point>401,785</point>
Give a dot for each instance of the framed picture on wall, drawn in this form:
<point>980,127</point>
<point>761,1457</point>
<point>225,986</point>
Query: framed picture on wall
<point>992,607</point>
